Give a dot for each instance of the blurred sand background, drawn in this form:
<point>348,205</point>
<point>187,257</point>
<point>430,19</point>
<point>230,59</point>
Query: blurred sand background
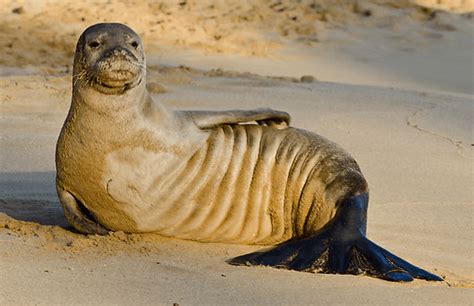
<point>390,81</point>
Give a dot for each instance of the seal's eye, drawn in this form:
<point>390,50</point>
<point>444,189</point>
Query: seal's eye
<point>94,44</point>
<point>134,44</point>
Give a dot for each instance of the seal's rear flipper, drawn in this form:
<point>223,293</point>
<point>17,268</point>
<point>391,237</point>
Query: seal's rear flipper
<point>340,247</point>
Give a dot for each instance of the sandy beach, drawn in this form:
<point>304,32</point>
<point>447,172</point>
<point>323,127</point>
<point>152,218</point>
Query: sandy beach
<point>392,82</point>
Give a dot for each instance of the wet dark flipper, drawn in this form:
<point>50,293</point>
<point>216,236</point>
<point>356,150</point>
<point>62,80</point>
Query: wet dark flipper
<point>298,255</point>
<point>77,215</point>
<point>340,247</point>
<point>406,266</point>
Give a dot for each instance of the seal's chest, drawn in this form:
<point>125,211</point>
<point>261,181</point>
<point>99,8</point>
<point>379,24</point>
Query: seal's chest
<point>134,177</point>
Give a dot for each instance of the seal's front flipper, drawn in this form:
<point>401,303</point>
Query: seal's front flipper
<point>340,247</point>
<point>263,116</point>
<point>77,215</point>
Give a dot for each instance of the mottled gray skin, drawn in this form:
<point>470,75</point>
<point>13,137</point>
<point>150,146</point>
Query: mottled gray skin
<point>125,162</point>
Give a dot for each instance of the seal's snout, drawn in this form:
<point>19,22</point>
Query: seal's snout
<point>118,64</point>
<point>120,53</point>
<point>118,68</point>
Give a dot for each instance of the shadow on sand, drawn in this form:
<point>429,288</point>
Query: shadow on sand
<point>31,196</point>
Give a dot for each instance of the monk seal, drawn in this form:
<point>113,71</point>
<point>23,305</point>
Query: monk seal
<point>125,162</point>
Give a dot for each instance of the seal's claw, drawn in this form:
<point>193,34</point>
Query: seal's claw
<point>340,247</point>
<point>274,123</point>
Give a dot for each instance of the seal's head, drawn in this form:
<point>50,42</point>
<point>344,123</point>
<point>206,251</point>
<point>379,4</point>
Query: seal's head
<point>109,58</point>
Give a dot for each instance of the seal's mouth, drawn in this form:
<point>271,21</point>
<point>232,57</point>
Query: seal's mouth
<point>115,86</point>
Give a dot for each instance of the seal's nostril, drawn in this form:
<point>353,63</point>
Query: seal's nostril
<point>94,44</point>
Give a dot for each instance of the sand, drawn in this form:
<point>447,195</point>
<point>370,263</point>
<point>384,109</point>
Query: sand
<point>392,82</point>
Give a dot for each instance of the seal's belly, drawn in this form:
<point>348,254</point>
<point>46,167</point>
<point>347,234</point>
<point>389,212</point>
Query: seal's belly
<point>245,185</point>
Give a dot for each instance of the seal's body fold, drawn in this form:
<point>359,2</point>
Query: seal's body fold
<point>245,184</point>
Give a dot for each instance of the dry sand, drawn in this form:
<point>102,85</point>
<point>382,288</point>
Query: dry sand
<point>393,85</point>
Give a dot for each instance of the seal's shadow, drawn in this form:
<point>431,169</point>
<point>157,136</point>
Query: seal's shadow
<point>31,196</point>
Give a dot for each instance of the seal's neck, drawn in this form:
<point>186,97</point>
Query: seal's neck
<point>157,114</point>
<point>122,117</point>
<point>90,100</point>
<point>133,105</point>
